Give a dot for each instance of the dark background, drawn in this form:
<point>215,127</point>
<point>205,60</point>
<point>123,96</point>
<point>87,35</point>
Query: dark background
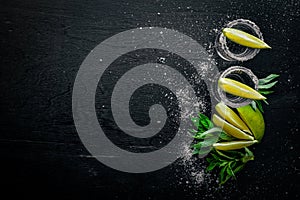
<point>43,43</point>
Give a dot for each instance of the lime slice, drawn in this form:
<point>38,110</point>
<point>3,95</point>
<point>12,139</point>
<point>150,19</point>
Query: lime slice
<point>230,129</point>
<point>229,115</point>
<point>226,146</point>
<point>239,89</point>
<point>244,39</point>
<point>254,120</point>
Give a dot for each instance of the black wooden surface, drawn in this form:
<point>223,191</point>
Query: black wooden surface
<point>43,43</point>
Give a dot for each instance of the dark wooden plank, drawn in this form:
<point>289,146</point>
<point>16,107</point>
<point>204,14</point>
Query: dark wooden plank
<point>43,44</point>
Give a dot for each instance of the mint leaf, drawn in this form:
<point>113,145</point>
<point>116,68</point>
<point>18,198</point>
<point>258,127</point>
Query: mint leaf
<point>265,92</point>
<point>212,165</point>
<point>204,151</point>
<point>238,168</point>
<point>259,105</point>
<point>235,154</point>
<point>224,155</point>
<point>267,86</point>
<point>195,151</point>
<point>229,170</point>
<point>205,121</point>
<point>222,175</point>
<point>225,136</point>
<point>229,162</point>
<point>267,79</point>
<point>248,156</point>
<point>253,105</point>
<point>202,123</point>
<point>213,132</point>
<point>265,102</point>
<point>248,152</point>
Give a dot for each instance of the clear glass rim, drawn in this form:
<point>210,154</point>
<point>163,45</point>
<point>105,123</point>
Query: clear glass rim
<point>224,51</point>
<point>236,101</point>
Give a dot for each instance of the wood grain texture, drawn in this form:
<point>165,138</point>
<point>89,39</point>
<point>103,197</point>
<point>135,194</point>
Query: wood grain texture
<point>42,46</point>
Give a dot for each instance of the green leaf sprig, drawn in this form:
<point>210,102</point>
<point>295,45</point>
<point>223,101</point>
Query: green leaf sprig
<point>205,129</point>
<point>229,162</point>
<point>264,86</point>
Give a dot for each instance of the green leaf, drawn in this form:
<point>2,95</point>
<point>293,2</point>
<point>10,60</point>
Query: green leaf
<point>235,154</point>
<point>247,158</point>
<point>229,162</point>
<point>267,86</point>
<point>225,136</point>
<point>197,145</point>
<point>238,168</point>
<point>223,164</point>
<point>209,159</point>
<point>265,92</point>
<point>222,174</point>
<point>205,121</point>
<point>204,151</point>
<point>253,105</point>
<point>212,165</point>
<point>248,152</point>
<point>202,123</point>
<point>226,179</point>
<point>267,79</point>
<point>200,149</point>
<point>216,157</point>
<point>229,170</point>
<point>206,143</point>
<point>265,101</point>
<point>209,142</point>
<point>196,151</point>
<point>232,164</point>
<point>201,129</point>
<point>213,132</point>
<point>224,155</point>
<point>259,105</point>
